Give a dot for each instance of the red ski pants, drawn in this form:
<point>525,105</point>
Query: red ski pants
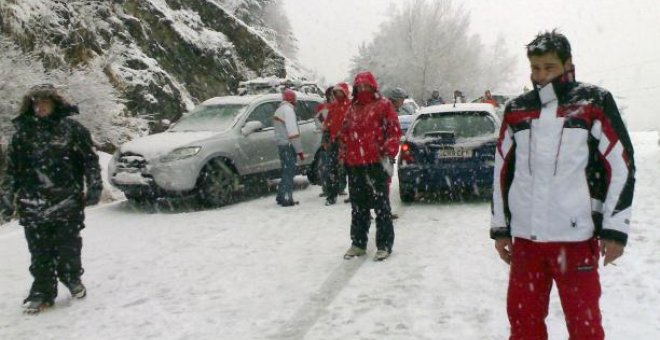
<point>573,266</point>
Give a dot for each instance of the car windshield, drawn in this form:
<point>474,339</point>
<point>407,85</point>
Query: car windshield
<point>462,124</point>
<point>209,118</point>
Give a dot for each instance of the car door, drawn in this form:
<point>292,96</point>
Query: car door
<point>259,147</point>
<point>310,134</point>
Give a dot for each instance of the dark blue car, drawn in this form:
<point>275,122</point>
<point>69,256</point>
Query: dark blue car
<point>449,148</point>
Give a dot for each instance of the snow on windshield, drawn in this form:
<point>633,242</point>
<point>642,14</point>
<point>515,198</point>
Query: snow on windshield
<point>209,118</point>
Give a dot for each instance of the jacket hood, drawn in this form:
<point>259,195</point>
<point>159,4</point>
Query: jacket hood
<point>343,87</point>
<point>59,112</point>
<point>365,78</point>
<point>61,107</point>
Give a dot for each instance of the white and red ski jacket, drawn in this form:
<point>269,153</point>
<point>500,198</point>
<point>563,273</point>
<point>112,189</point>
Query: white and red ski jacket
<point>564,168</point>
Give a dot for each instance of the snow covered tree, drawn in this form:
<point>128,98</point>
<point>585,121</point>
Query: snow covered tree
<point>426,46</point>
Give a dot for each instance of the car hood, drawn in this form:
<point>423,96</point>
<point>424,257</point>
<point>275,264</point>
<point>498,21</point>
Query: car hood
<point>162,143</point>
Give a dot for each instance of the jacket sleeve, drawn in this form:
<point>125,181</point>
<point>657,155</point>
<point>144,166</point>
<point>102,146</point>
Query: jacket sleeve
<point>292,130</point>
<point>616,152</point>
<point>90,160</point>
<point>392,131</point>
<point>502,178</point>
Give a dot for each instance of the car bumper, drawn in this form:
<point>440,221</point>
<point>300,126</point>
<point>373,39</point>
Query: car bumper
<point>433,178</point>
<point>156,178</point>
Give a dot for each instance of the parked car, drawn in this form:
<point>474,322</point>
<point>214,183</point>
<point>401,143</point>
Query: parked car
<point>212,152</point>
<point>449,147</point>
<point>407,113</point>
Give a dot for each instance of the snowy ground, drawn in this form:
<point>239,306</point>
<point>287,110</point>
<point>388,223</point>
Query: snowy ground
<point>254,270</point>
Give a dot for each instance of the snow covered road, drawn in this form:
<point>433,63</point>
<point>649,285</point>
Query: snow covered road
<point>254,270</point>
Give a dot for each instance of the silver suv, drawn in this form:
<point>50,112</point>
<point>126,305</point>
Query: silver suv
<point>213,152</point>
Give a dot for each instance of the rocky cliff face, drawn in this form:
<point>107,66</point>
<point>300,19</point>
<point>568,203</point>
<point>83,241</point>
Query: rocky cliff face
<point>153,59</point>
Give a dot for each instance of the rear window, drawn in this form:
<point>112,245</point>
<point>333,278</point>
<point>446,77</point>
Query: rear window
<point>462,124</point>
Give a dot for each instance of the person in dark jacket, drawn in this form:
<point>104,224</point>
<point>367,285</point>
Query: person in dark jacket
<point>369,139</point>
<point>435,99</point>
<point>51,160</point>
<point>563,189</point>
<point>333,181</point>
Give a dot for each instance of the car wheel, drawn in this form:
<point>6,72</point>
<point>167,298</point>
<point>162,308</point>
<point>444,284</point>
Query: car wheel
<point>407,196</point>
<point>216,184</point>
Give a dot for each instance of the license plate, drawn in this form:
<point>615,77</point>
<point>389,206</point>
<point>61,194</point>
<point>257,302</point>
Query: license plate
<point>454,153</point>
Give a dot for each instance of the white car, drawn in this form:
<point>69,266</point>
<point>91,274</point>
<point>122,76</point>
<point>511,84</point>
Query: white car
<point>407,113</point>
<point>213,151</point>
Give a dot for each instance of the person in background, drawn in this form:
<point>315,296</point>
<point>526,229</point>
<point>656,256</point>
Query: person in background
<point>287,138</point>
<point>319,118</point>
<point>435,99</point>
<point>332,126</point>
<point>51,160</point>
<point>563,190</point>
<point>488,98</point>
<point>370,132</point>
<point>458,97</point>
<point>397,96</point>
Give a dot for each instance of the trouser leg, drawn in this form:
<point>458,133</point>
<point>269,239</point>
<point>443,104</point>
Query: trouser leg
<point>288,163</point>
<point>530,282</point>
<point>359,196</point>
<point>43,256</point>
<point>579,289</point>
<point>379,182</point>
<point>69,246</point>
<point>332,171</point>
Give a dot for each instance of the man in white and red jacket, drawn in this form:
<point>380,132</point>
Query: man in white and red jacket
<point>563,189</point>
<point>370,133</point>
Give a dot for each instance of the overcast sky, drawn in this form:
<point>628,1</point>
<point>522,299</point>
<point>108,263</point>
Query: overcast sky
<point>616,44</point>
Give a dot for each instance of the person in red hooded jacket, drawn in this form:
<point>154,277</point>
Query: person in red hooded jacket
<point>369,138</point>
<point>332,125</point>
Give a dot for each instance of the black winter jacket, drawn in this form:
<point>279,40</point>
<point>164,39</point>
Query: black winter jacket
<point>50,160</point>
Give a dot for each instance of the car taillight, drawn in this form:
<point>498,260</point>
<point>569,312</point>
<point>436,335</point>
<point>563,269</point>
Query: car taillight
<point>406,153</point>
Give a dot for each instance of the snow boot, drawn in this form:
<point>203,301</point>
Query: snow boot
<point>77,290</point>
<point>36,305</point>
<point>288,203</point>
<point>381,255</point>
<point>354,251</point>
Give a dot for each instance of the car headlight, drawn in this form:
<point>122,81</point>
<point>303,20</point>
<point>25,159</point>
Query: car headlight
<point>181,153</point>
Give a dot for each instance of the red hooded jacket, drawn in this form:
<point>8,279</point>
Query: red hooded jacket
<point>371,129</point>
<point>336,112</point>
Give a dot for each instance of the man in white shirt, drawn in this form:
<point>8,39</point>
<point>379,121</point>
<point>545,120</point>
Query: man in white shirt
<point>287,137</point>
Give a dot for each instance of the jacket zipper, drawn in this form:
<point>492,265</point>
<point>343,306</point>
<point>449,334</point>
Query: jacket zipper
<point>561,138</point>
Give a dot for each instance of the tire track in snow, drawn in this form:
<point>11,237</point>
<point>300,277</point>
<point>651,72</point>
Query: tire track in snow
<point>308,314</point>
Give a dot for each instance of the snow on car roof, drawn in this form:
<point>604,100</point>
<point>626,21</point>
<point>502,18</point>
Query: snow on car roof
<point>458,107</point>
<point>245,100</point>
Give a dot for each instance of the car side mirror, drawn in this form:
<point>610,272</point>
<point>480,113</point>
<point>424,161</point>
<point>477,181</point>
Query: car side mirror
<point>251,127</point>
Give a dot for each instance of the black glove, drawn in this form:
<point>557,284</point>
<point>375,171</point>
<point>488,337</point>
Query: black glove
<point>93,197</point>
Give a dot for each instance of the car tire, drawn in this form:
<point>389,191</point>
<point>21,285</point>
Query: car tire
<point>407,196</point>
<point>217,184</point>
<point>136,199</point>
